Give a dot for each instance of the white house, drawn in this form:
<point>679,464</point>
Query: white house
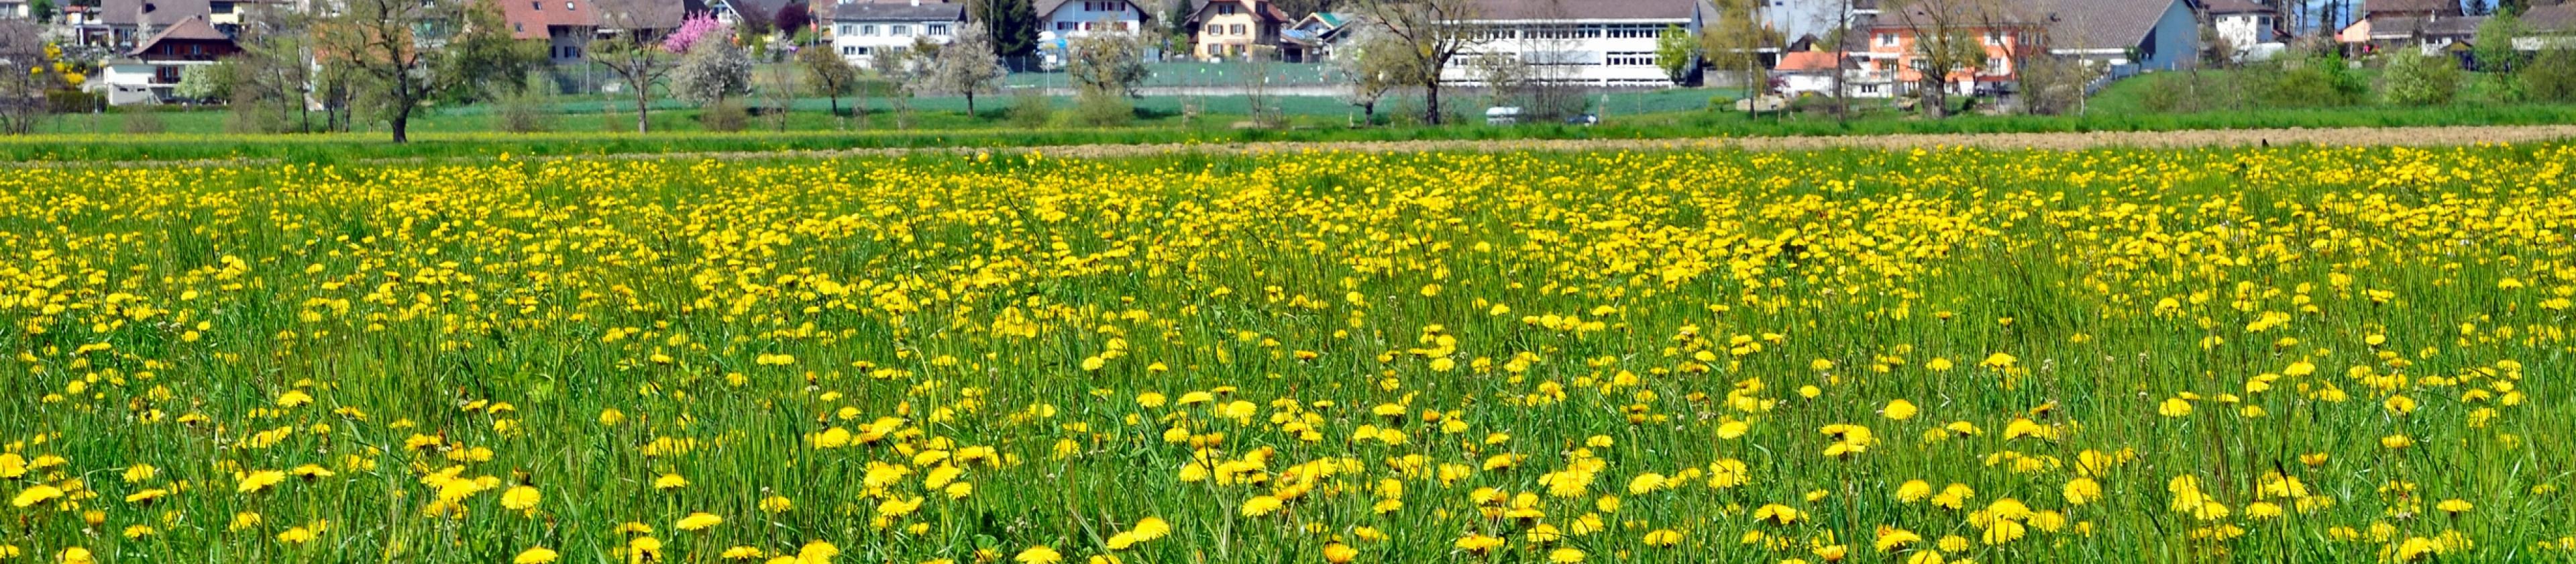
<point>1600,42</point>
<point>863,31</point>
<point>1060,21</point>
<point>2244,24</point>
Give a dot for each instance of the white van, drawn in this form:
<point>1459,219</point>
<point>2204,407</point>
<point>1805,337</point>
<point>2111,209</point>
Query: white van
<point>1503,115</point>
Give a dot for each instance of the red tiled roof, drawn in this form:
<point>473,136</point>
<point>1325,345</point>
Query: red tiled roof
<point>529,19</point>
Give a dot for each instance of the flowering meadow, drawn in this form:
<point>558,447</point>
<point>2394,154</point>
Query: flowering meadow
<point>2293,354</point>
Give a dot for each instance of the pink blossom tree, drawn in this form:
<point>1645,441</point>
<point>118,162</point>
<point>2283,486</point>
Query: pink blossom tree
<point>696,28</point>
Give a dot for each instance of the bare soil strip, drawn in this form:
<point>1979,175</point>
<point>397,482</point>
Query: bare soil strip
<point>2370,136</point>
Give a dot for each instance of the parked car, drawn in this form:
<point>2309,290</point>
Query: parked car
<point>1583,119</point>
<point>1503,115</point>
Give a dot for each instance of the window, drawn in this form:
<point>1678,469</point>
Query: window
<point>1225,9</point>
<point>537,6</point>
<point>1120,26</point>
<point>900,30</point>
<point>1236,29</point>
<point>1631,59</point>
<point>939,29</point>
<point>1064,26</point>
<point>845,29</point>
<point>1996,65</point>
<point>516,27</point>
<point>848,51</point>
<point>1887,40</point>
<point>1997,37</point>
<point>1086,26</point>
<point>868,30</point>
<point>863,51</point>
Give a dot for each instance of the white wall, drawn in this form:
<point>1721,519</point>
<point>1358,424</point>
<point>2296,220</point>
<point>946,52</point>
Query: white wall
<point>1620,52</point>
<point>1067,22</point>
<point>2245,30</point>
<point>854,41</point>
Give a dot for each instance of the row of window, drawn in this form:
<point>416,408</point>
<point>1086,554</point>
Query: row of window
<point>541,6</point>
<point>567,51</point>
<point>1104,6</point>
<point>1088,26</point>
<point>1992,38</point>
<point>848,51</point>
<point>1219,30</point>
<point>1611,31</point>
<point>895,30</point>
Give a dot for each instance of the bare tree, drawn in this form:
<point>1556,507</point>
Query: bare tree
<point>25,76</point>
<point>1434,32</point>
<point>1945,43</point>
<point>391,44</point>
<point>639,64</point>
<point>1375,63</point>
<point>967,66</point>
<point>828,74</point>
<point>1733,44</point>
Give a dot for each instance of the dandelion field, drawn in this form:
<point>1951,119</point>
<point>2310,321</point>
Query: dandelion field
<point>2294,354</point>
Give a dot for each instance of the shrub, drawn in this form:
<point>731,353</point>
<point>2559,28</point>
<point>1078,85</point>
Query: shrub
<point>1031,108</point>
<point>2416,79</point>
<point>724,116</point>
<point>144,122</point>
<point>2550,77</point>
<point>523,113</point>
<point>1104,109</point>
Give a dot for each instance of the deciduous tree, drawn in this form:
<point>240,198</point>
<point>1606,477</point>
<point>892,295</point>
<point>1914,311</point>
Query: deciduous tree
<point>1434,33</point>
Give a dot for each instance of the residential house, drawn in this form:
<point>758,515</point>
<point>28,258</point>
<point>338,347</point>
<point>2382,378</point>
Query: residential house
<point>1809,20</point>
<point>649,18</point>
<point>1312,39</point>
<point>2243,23</point>
<point>156,63</point>
<point>1061,21</point>
<point>2433,25</point>
<point>15,9</point>
<point>861,32</point>
<point>1599,42</point>
<point>1811,72</point>
<point>567,26</point>
<point>129,22</point>
<point>1895,58</point>
<point>2122,37</point>
<point>2550,26</point>
<point>1226,29</point>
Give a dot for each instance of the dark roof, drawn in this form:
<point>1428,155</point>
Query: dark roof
<point>640,14</point>
<point>1970,14</point>
<point>2235,7</point>
<point>2556,18</point>
<point>152,12</point>
<point>1048,7</point>
<point>2401,27</point>
<point>2372,8</point>
<point>1266,9</point>
<point>1588,9</point>
<point>2103,24</point>
<point>192,29</point>
<point>889,12</point>
<point>530,18</point>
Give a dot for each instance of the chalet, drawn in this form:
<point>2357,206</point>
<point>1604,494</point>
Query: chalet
<point>1232,28</point>
<point>1312,39</point>
<point>157,62</point>
<point>129,22</point>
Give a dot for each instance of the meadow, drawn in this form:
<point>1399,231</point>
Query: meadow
<point>1943,355</point>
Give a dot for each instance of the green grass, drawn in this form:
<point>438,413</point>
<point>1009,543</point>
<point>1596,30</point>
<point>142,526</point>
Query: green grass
<point>1584,343</point>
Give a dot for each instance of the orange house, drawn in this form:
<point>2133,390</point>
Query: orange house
<point>1895,53</point>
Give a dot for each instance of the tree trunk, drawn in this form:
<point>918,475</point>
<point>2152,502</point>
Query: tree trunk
<point>402,124</point>
<point>1369,110</point>
<point>970,102</point>
<point>642,124</point>
<point>1431,100</point>
<point>836,105</point>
